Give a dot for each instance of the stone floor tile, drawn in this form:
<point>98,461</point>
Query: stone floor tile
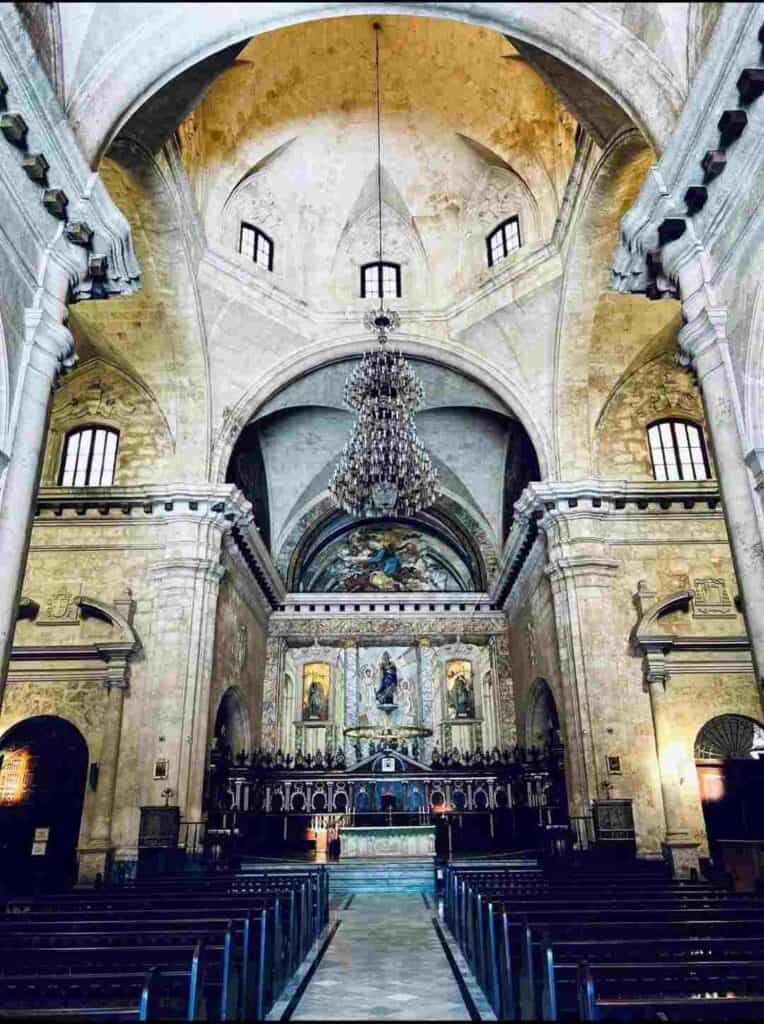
<point>385,963</point>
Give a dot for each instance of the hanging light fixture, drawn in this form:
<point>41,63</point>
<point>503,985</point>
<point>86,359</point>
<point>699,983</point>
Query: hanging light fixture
<point>384,468</point>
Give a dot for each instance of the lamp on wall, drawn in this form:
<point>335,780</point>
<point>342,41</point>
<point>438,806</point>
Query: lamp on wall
<point>384,468</point>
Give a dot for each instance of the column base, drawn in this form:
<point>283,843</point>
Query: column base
<point>681,856</point>
<point>93,861</point>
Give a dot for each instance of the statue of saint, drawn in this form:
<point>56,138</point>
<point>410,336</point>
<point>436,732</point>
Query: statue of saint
<point>463,698</point>
<point>315,700</point>
<point>388,680</point>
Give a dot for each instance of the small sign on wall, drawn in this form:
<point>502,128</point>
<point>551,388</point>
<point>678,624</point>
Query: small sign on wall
<point>161,768</point>
<point>40,842</point>
<point>613,764</point>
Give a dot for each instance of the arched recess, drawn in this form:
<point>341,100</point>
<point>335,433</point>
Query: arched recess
<point>323,521</point>
<point>327,351</point>
<point>232,723</point>
<point>542,721</point>
<point>587,364</point>
<point>729,758</point>
<point>43,768</point>
<point>621,71</point>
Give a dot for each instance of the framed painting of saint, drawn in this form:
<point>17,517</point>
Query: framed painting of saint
<point>460,693</point>
<point>315,691</point>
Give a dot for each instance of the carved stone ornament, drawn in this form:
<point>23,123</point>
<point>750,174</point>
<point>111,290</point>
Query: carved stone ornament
<point>61,608</point>
<point>97,400</point>
<point>241,647</point>
<point>712,600</point>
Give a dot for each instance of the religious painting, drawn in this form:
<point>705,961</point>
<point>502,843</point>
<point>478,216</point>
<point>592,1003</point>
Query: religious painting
<point>394,559</point>
<point>460,694</point>
<point>315,690</point>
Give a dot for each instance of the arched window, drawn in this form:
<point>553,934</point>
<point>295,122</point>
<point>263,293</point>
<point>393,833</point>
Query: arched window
<point>678,451</point>
<point>90,454</point>
<point>503,240</point>
<point>257,245</point>
<point>380,280</point>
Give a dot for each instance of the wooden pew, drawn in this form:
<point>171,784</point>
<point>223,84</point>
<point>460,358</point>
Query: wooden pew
<point>108,995</point>
<point>623,991</point>
<point>554,994</point>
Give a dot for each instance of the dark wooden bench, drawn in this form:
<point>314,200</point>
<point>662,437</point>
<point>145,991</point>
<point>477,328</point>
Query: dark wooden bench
<point>108,995</point>
<point>627,992</point>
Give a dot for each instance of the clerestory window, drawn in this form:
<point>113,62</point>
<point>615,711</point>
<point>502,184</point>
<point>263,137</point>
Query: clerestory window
<point>90,455</point>
<point>380,280</point>
<point>257,245</point>
<point>677,451</point>
<point>503,240</point>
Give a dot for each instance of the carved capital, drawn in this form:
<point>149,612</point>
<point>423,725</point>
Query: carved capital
<point>656,669</point>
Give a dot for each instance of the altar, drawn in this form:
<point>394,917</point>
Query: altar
<point>388,841</point>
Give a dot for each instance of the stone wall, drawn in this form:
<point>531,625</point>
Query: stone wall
<point>240,641</point>
<point>656,390</point>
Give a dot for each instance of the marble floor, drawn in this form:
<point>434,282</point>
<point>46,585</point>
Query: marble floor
<point>385,962</point>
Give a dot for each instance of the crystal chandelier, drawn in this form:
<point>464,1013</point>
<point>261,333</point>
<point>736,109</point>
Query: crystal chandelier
<point>383,469</point>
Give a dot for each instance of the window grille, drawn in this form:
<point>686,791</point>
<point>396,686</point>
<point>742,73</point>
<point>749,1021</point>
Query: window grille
<point>255,244</point>
<point>677,451</point>
<point>380,280</point>
<point>503,240</point>
<point>90,455</point>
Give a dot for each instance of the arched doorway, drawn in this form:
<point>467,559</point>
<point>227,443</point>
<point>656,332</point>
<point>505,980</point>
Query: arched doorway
<point>542,724</point>
<point>43,768</point>
<point>232,723</point>
<point>729,756</point>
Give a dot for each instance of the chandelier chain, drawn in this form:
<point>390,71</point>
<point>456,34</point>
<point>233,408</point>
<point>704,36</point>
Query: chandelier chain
<point>384,468</point>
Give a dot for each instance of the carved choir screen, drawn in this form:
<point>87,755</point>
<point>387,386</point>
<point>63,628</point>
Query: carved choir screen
<point>315,683</point>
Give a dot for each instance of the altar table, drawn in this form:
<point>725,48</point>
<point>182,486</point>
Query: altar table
<point>389,841</point>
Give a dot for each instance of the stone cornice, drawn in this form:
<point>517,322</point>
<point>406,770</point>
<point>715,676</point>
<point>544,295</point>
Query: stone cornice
<point>543,504</point>
<point>528,271</point>
<point>160,502</point>
<point>31,95</point>
<point>471,627</point>
<point>733,46</point>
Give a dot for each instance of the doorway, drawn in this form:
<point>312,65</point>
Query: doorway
<point>729,757</point>
<point>43,768</point>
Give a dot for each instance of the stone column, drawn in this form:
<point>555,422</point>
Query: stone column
<point>183,635</point>
<point>351,693</point>
<point>95,855</point>
<point>275,649</point>
<point>579,585</point>
<point>678,849</point>
<point>424,669</point>
<point>705,341</point>
<point>505,691</point>
<point>49,346</point>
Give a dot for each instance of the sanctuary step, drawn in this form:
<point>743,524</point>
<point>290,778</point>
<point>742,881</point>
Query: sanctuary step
<point>381,875</point>
<point>384,875</point>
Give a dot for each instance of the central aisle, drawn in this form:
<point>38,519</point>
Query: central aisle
<point>385,962</point>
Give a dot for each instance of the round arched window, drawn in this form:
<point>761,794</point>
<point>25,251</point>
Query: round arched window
<point>90,455</point>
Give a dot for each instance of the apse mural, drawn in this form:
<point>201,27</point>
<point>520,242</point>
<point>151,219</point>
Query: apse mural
<point>388,559</point>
